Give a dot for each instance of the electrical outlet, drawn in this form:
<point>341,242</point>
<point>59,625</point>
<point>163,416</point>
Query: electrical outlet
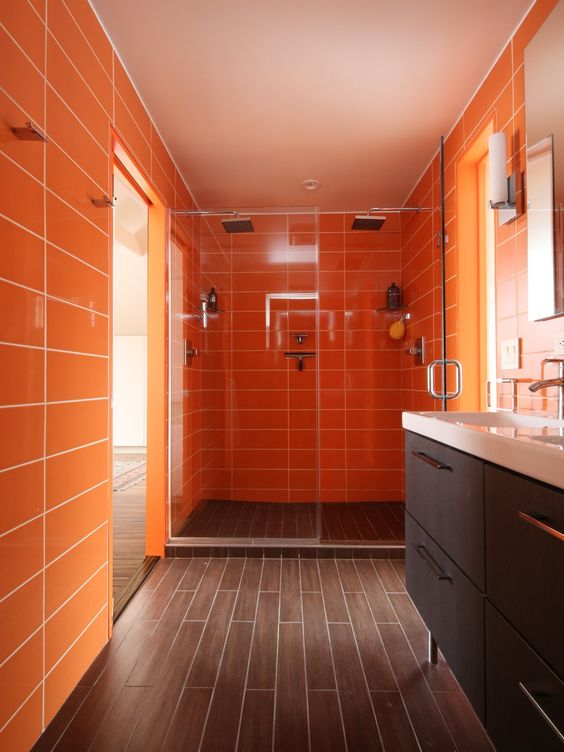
<point>510,354</point>
<point>559,343</point>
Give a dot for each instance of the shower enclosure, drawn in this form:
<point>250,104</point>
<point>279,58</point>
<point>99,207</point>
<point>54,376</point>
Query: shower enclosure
<point>244,376</point>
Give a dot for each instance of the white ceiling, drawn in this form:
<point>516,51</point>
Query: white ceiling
<point>254,96</point>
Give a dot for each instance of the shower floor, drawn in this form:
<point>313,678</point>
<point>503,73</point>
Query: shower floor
<point>358,522</point>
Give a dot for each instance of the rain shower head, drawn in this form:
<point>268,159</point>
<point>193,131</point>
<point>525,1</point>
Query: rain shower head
<point>238,224</point>
<point>367,222</point>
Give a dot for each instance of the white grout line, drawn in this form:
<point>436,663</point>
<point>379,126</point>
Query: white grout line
<point>74,545</point>
<point>74,642</point>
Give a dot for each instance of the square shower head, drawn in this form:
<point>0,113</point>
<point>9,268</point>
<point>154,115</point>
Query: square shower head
<point>238,224</point>
<point>367,222</point>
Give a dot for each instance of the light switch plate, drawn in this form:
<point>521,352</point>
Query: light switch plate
<point>510,354</point>
<point>559,343</point>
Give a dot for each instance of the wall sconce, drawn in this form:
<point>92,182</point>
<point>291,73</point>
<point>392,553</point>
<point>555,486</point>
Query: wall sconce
<point>502,188</point>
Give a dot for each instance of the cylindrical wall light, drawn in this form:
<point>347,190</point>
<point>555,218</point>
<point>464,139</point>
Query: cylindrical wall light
<point>501,188</point>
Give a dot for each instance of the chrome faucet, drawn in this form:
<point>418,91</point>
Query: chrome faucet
<point>557,382</point>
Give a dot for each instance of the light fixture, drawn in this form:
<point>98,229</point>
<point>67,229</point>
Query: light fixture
<point>502,188</point>
<point>311,184</point>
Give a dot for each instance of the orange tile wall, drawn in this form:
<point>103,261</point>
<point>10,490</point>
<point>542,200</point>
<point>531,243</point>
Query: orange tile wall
<point>501,97</point>
<point>62,73</point>
<point>259,439</point>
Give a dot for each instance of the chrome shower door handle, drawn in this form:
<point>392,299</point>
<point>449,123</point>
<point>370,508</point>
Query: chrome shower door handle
<point>431,378</point>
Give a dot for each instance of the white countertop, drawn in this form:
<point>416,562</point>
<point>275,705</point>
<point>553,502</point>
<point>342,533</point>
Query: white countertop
<point>523,443</point>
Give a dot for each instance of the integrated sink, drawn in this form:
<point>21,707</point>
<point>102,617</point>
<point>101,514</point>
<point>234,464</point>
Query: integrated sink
<point>499,419</point>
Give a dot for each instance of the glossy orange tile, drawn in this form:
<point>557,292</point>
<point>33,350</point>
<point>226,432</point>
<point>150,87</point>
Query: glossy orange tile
<point>22,492</point>
<point>21,375</point>
<point>76,330</point>
<point>129,130</point>
<point>73,424</point>
<point>75,472</point>
<point>70,231</point>
<point>25,727</point>
<point>71,280</point>
<point>21,435</point>
<point>75,377</point>
<point>86,19</point>
<point>65,626</point>
<point>19,676</point>
<point>20,79</point>
<point>21,196</point>
<point>30,159</point>
<point>21,255</point>
<point>21,614</point>
<point>69,523</point>
<point>21,555</point>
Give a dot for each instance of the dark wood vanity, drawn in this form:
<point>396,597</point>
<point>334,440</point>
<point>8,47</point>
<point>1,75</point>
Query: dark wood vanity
<point>485,568</point>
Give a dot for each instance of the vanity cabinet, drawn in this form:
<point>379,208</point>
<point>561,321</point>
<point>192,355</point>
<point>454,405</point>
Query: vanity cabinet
<point>485,568</point>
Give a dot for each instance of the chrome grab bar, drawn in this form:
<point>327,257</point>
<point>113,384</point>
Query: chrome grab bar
<point>534,702</point>
<point>439,573</point>
<point>514,395</point>
<point>541,524</point>
<point>430,461</point>
<point>444,362</point>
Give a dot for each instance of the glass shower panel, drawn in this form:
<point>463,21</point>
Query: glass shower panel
<point>244,409</point>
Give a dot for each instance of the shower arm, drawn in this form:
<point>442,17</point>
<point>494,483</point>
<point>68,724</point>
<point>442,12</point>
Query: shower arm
<point>203,213</point>
<point>397,209</point>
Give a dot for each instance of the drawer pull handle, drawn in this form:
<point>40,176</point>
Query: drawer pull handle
<point>534,702</point>
<point>430,461</point>
<point>439,573</point>
<point>538,522</point>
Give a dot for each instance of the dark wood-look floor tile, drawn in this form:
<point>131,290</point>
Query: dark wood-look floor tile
<point>427,721</point>
<point>262,666</point>
<point>350,580</point>
<point>393,722</point>
<point>319,664</point>
<point>222,726</point>
<point>379,603</point>
<point>118,726</point>
<point>162,594</point>
<point>290,600</point>
<point>332,591</point>
<point>206,662</point>
<point>161,699</point>
<point>291,728</point>
<point>270,580</point>
<point>194,573</point>
<point>232,574</point>
<point>60,722</point>
<point>310,576</point>
<point>246,518</point>
<point>399,568</point>
<point>388,576</point>
<point>246,605</point>
<point>306,516</point>
<point>186,729</point>
<point>373,656</point>
<point>325,724</point>
<point>205,594</point>
<point>85,725</point>
<point>154,579</point>
<point>274,521</point>
<point>160,641</point>
<point>257,720</point>
<point>361,731</point>
<point>289,523</point>
<point>463,724</point>
<point>439,676</point>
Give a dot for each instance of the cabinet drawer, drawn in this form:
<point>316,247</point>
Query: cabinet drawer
<point>451,607</point>
<point>525,699</point>
<point>445,494</point>
<point>525,560</point>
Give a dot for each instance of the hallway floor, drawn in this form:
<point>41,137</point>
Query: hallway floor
<point>354,522</point>
<point>252,654</point>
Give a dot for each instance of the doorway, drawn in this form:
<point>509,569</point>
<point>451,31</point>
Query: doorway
<point>129,393</point>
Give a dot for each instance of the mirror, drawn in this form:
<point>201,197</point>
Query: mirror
<point>544,110</point>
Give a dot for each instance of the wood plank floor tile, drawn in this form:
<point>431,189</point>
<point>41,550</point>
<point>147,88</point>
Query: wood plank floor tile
<point>326,726</point>
<point>232,574</point>
<point>194,574</point>
<point>379,603</point>
<point>350,580</point>
<point>60,722</point>
<point>393,722</point>
<point>208,657</point>
<point>290,726</point>
<point>270,581</point>
<point>290,601</point>
<point>162,594</point>
<point>161,699</point>
<point>388,576</point>
<point>399,567</point>
<point>466,729</point>
<point>257,721</point>
<point>246,605</point>
<point>372,654</point>
<point>310,576</point>
<point>427,721</point>
<point>361,731</point>
<point>262,666</point>
<point>118,726</point>
<point>160,641</point>
<point>205,594</point>
<point>332,591</point>
<point>222,726</point>
<point>187,726</point>
<point>319,663</point>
